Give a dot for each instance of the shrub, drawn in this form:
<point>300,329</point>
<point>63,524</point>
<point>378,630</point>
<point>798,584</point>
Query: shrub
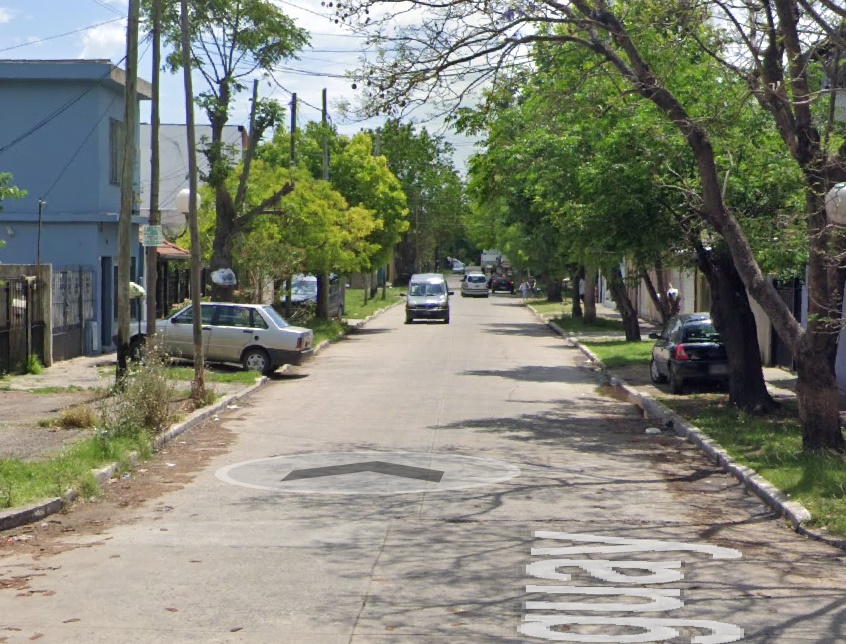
<point>143,403</point>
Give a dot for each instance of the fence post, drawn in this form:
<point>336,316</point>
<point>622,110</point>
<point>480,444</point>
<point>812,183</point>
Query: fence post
<point>27,292</point>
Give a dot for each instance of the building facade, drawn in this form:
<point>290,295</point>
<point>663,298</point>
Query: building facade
<point>61,138</point>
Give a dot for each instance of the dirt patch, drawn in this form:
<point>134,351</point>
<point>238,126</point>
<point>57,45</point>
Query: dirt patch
<point>170,469</point>
<point>20,434</point>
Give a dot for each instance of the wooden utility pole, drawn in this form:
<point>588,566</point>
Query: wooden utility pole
<point>155,213</point>
<point>323,280</point>
<point>127,189</point>
<point>198,386</point>
<point>293,129</point>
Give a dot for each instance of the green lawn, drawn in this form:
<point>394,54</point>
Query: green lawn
<point>619,353</point>
<point>356,309</point>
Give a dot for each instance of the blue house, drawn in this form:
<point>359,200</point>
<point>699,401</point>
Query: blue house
<point>61,138</point>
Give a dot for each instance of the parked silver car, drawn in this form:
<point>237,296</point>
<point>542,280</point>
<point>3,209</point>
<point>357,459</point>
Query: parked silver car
<point>252,335</point>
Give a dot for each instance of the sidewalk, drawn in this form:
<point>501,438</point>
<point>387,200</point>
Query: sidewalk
<point>640,391</point>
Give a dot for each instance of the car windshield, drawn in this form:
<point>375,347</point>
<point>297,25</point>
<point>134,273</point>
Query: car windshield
<point>426,288</point>
<point>270,312</point>
<point>700,332</point>
<point>305,286</point>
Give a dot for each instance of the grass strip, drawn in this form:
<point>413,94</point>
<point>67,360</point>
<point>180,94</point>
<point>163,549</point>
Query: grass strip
<point>770,444</point>
<point>23,482</point>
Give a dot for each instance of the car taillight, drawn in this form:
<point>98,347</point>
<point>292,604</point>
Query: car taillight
<point>681,354</point>
<point>300,342</point>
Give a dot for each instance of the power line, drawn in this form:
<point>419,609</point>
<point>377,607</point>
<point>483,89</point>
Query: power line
<point>109,7</point>
<point>67,33</point>
<point>59,111</point>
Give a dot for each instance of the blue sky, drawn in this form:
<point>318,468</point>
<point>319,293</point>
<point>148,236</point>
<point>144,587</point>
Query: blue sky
<point>70,29</point>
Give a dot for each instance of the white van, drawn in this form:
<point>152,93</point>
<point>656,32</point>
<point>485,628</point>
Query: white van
<point>427,298</point>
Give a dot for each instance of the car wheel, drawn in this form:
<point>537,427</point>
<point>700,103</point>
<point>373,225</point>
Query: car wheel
<point>446,319</point>
<point>656,375</point>
<point>676,383</point>
<point>408,318</point>
<point>257,360</point>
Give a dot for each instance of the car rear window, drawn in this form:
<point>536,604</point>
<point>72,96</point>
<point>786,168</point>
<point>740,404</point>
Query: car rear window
<point>476,279</point>
<point>700,332</point>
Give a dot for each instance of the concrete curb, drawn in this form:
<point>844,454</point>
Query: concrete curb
<point>779,502</point>
<point>16,517</point>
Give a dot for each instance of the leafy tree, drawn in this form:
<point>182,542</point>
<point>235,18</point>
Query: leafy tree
<point>783,50</point>
<point>436,198</point>
<point>232,41</point>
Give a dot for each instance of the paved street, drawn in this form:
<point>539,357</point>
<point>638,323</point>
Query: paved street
<point>439,483</point>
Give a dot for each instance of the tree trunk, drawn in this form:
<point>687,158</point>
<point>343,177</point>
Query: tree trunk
<point>323,295</point>
<point>658,297</point>
<point>222,244</point>
<point>631,323</point>
<point>734,319</point>
<point>590,295</point>
<point>817,394</point>
<point>574,287</point>
<point>553,289</point>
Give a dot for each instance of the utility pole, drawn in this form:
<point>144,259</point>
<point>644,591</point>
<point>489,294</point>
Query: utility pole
<point>377,151</point>
<point>293,129</point>
<point>323,277</point>
<point>127,189</point>
<point>155,213</point>
<point>198,385</point>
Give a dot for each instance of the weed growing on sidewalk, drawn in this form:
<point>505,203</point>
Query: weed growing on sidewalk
<point>142,404</point>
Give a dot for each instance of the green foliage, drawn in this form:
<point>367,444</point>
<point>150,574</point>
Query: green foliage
<point>142,404</point>
<point>33,365</point>
<point>435,193</point>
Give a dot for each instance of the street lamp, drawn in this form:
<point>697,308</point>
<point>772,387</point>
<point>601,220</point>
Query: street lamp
<point>183,201</point>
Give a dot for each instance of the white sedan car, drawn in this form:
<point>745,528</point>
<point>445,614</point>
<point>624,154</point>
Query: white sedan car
<point>474,284</point>
<point>253,335</point>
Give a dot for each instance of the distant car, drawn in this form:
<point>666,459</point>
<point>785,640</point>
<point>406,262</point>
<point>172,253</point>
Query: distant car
<point>458,267</point>
<point>474,284</point>
<point>502,283</point>
<point>427,297</point>
<point>252,335</point>
<point>304,291</point>
<point>688,349</point>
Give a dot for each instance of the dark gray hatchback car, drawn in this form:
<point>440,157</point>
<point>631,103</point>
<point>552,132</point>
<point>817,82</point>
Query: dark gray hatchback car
<point>688,349</point>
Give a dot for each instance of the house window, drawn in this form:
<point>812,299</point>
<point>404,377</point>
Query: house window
<point>116,148</point>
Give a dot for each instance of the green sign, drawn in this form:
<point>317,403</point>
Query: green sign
<point>152,236</point>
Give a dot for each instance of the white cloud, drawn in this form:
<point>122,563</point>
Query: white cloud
<point>105,41</point>
<point>6,15</point>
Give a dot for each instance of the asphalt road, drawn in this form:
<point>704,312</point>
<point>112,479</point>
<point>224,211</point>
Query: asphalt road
<point>440,483</point>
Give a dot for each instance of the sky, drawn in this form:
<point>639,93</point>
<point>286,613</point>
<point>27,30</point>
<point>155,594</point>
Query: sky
<point>73,29</point>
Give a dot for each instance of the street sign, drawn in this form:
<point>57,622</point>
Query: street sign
<point>152,236</point>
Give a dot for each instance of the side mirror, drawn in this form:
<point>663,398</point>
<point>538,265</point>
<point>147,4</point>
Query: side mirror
<point>451,292</point>
<point>653,336</point>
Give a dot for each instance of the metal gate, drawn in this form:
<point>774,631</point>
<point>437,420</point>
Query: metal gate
<point>73,305</point>
<point>790,292</point>
<point>22,323</point>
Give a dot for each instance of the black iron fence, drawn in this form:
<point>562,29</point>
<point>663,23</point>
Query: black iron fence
<point>73,306</point>
<point>22,323</point>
